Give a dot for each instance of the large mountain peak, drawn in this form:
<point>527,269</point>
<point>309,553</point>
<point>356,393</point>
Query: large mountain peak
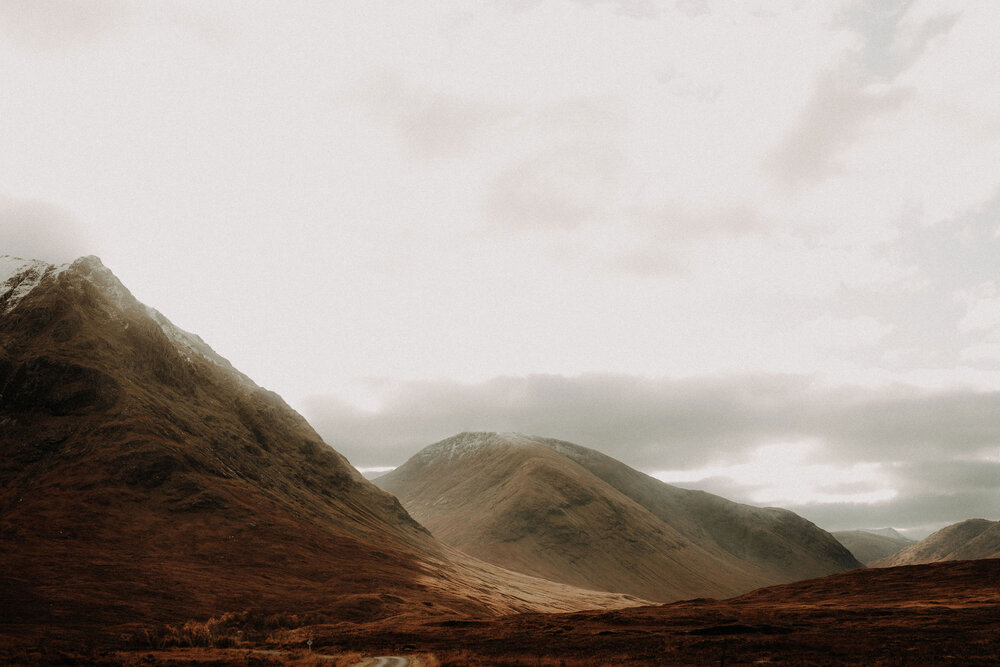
<point>92,269</point>
<point>143,479</point>
<point>88,279</point>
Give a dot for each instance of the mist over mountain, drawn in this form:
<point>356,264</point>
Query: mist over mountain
<point>974,539</point>
<point>143,478</point>
<point>567,513</point>
<point>868,546</point>
<point>887,532</point>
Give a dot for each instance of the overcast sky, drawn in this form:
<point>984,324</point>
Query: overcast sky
<point>751,247</point>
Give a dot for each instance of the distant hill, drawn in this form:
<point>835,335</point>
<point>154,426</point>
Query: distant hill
<point>570,514</point>
<point>968,540</point>
<point>868,546</point>
<point>887,532</point>
<point>143,479</point>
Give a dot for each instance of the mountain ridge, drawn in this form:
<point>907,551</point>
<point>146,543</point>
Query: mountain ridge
<point>972,539</point>
<point>868,546</point>
<point>141,479</point>
<point>558,510</point>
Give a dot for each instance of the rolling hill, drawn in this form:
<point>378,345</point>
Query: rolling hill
<point>143,479</point>
<point>570,514</point>
<point>868,546</point>
<point>967,540</point>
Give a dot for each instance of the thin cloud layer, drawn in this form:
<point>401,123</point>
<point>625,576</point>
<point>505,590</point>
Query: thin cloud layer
<point>846,100</point>
<point>661,424</point>
<point>35,229</point>
<point>892,449</point>
<point>430,124</point>
<point>833,120</point>
<point>58,25</point>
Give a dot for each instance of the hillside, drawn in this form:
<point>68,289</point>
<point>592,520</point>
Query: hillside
<point>143,478</point>
<point>887,532</point>
<point>968,540</point>
<point>567,513</point>
<point>869,546</point>
<point>940,613</point>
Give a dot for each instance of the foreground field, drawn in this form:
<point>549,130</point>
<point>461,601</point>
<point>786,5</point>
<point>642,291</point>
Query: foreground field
<point>923,614</point>
<point>944,612</point>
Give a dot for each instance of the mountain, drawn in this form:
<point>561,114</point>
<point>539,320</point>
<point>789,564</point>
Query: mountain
<point>564,512</point>
<point>868,546</point>
<point>968,540</point>
<point>887,532</point>
<point>144,479</point>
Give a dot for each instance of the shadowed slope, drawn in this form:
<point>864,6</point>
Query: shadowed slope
<point>142,478</point>
<point>967,540</point>
<point>773,544</point>
<point>564,512</point>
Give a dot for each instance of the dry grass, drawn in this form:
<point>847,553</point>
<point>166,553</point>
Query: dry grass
<point>230,630</point>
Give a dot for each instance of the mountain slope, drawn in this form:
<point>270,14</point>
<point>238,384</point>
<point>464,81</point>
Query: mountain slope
<point>142,478</point>
<point>967,540</point>
<point>868,546</point>
<point>560,511</point>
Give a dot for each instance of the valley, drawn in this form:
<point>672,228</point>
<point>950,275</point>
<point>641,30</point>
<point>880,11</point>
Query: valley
<point>157,506</point>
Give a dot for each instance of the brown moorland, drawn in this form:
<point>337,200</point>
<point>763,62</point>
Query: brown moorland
<point>158,507</point>
<point>940,613</point>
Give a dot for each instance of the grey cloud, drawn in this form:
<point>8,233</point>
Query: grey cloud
<point>927,442</point>
<point>561,186</point>
<point>664,233</point>
<point>725,487</point>
<point>886,50</point>
<point>923,512</point>
<point>942,259</point>
<point>574,182</point>
<point>849,488</point>
<point>683,85</point>
<point>430,124</point>
<point>644,260</point>
<point>692,8</point>
<point>843,101</point>
<point>639,9</point>
<point>931,494</point>
<point>35,229</point>
<point>57,25</point>
<point>943,476</point>
<point>671,423</point>
<point>834,117</point>
<point>952,254</point>
<point>572,179</point>
<point>674,221</point>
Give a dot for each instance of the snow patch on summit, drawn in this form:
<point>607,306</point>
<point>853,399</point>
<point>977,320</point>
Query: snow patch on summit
<point>466,443</point>
<point>92,269</point>
<point>187,342</point>
<point>19,276</point>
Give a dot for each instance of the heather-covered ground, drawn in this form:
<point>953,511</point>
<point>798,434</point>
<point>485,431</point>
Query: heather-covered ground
<point>927,614</point>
